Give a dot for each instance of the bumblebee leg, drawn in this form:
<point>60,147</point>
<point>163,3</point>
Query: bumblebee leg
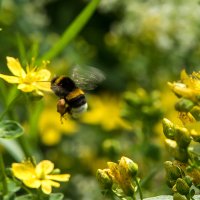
<point>61,106</point>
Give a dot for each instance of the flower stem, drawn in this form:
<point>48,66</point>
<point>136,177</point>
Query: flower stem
<point>9,106</point>
<point>139,188</point>
<point>3,175</point>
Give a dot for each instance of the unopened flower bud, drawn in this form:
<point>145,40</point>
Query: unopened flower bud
<point>104,179</point>
<point>168,129</point>
<point>127,166</point>
<point>56,171</point>
<point>196,112</point>
<point>172,172</point>
<point>184,105</point>
<point>183,138</point>
<point>178,196</point>
<point>182,187</point>
<point>180,154</point>
<point>171,146</point>
<point>188,180</point>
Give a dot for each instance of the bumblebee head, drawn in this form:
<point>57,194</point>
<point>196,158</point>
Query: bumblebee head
<point>62,85</point>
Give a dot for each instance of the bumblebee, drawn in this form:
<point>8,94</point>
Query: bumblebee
<point>70,90</point>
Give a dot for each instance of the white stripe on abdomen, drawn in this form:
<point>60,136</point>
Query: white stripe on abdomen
<point>76,112</point>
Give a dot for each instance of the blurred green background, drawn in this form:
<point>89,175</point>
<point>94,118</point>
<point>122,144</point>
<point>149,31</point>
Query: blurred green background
<point>140,45</point>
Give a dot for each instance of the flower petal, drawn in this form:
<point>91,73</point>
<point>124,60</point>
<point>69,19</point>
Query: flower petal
<point>10,79</point>
<point>26,87</point>
<point>15,67</point>
<point>44,167</point>
<point>23,170</point>
<point>43,75</point>
<point>45,86</point>
<point>46,186</point>
<point>58,177</point>
<point>32,183</point>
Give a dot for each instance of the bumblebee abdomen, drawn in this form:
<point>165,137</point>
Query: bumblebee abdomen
<point>76,98</point>
<point>78,105</point>
<point>77,101</point>
<point>77,112</point>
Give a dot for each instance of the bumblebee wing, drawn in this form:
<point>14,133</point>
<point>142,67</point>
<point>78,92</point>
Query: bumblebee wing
<point>87,78</point>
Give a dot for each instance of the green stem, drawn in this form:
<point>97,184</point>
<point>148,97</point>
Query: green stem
<point>71,31</point>
<point>3,175</point>
<point>134,198</point>
<point>139,188</point>
<point>9,106</point>
<point>25,146</point>
<point>0,6</point>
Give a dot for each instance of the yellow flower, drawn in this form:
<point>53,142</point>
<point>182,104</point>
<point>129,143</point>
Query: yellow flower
<point>31,80</point>
<point>105,110</point>
<point>39,175</point>
<point>189,87</point>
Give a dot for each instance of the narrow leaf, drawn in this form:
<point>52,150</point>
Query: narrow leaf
<point>72,30</point>
<point>10,129</point>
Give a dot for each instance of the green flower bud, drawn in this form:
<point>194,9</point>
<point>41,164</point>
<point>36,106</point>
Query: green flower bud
<point>178,196</point>
<point>196,112</point>
<point>172,172</point>
<point>128,167</point>
<point>188,180</point>
<point>56,171</point>
<point>104,179</point>
<point>182,187</point>
<point>171,146</point>
<point>183,138</point>
<point>168,129</point>
<point>184,105</point>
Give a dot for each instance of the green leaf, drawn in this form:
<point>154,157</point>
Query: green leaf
<point>72,31</point>
<point>25,197</point>
<point>12,186</point>
<point>10,196</point>
<point>56,196</point>
<point>13,147</point>
<point>10,129</point>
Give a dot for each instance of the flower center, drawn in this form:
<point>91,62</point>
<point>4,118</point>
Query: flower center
<point>30,78</point>
<point>41,175</point>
